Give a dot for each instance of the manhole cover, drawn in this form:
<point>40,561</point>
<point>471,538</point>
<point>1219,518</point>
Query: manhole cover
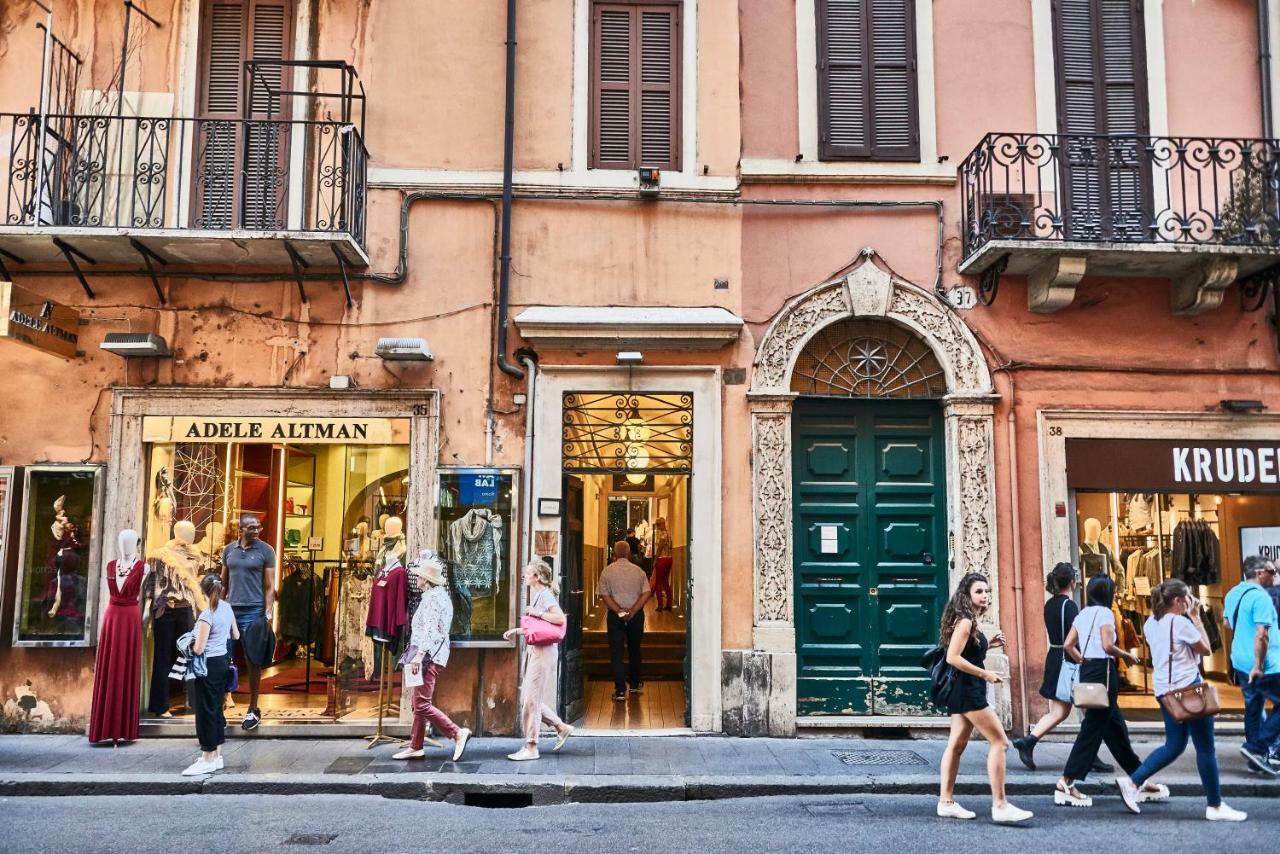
<point>879,757</point>
<point>311,839</point>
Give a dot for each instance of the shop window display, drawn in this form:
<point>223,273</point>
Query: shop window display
<point>1143,538</point>
<point>325,509</point>
<point>57,583</point>
<point>477,525</point>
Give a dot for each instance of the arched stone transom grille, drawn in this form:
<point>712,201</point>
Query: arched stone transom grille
<point>868,359</point>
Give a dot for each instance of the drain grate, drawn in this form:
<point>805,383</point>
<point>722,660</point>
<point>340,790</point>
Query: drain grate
<point>879,757</point>
<point>311,839</point>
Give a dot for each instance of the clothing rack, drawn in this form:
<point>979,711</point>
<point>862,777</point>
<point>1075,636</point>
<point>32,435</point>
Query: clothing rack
<point>304,687</point>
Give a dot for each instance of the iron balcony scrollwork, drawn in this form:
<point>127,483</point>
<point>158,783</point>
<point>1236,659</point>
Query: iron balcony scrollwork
<point>1121,189</point>
<point>140,172</point>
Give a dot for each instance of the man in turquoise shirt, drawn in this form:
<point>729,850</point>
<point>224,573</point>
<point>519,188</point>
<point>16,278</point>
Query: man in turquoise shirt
<point>1255,657</point>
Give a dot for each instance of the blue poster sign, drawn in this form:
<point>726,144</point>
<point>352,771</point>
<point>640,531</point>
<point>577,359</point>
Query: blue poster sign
<point>478,487</point>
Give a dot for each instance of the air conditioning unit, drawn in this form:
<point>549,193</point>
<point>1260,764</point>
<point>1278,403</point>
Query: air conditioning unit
<point>136,345</point>
<point>404,350</point>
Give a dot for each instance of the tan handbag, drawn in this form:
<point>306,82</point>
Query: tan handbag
<point>1192,702</point>
<point>1092,695</point>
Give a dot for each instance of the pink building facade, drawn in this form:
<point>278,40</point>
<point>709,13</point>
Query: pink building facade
<point>856,297</point>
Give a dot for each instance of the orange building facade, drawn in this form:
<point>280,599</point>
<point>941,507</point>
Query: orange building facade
<point>855,297</point>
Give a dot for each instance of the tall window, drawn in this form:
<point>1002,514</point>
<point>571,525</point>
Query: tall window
<point>867,102</point>
<point>635,85</point>
<point>1102,111</point>
<point>241,170</point>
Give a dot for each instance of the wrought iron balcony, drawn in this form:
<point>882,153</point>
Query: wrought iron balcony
<point>1201,211</point>
<point>187,184</point>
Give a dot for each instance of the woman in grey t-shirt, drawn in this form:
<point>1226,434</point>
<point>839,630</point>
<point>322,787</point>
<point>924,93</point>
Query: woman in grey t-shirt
<point>215,627</point>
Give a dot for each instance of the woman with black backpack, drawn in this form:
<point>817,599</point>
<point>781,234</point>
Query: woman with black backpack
<point>968,701</point>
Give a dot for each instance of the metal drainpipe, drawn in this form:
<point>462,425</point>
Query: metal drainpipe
<point>531,398</point>
<point>508,166</point>
<point>1264,66</point>
<point>1015,523</point>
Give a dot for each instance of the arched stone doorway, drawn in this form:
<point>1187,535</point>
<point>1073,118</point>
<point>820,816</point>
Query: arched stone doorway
<point>937,359</point>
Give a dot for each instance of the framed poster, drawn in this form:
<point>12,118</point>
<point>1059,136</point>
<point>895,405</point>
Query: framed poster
<point>55,603</point>
<point>6,511</point>
<point>478,519</point>
<point>1261,540</point>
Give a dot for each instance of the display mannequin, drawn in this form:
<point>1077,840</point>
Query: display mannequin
<point>114,712</point>
<point>173,591</point>
<point>215,540</point>
<point>360,541</point>
<point>376,536</point>
<point>1095,556</point>
<point>388,600</point>
<point>393,540</point>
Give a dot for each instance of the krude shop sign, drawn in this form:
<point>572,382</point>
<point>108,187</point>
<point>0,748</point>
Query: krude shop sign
<point>296,431</point>
<point>1173,465</point>
<point>1262,541</point>
<point>38,322</point>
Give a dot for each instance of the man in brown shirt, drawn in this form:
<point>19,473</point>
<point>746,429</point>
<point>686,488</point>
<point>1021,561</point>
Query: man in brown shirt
<point>625,589</point>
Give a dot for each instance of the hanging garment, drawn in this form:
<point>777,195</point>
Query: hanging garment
<point>475,542</point>
<point>1212,627</point>
<point>353,645</point>
<point>118,669</point>
<point>387,612</point>
<point>1196,553</point>
<point>1138,517</point>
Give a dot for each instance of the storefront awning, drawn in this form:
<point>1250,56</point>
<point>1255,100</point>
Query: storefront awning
<point>628,327</point>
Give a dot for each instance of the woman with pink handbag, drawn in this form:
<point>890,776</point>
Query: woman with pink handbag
<point>542,626</point>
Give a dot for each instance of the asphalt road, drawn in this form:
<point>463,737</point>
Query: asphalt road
<point>205,824</point>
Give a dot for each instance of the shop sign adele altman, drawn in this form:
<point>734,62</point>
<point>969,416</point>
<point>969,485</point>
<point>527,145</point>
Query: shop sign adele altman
<point>306,431</point>
<point>37,322</point>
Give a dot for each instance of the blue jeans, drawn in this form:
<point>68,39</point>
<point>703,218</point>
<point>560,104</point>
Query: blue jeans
<point>1175,741</point>
<point>1260,736</point>
<point>246,616</point>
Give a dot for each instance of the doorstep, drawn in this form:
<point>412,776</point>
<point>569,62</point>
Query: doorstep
<point>361,729</point>
<point>828,724</point>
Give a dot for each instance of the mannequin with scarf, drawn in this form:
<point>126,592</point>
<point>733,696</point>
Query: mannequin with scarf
<point>114,713</point>
<point>171,601</point>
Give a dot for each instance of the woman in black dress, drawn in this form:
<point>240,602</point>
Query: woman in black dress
<point>1059,613</point>
<point>969,705</point>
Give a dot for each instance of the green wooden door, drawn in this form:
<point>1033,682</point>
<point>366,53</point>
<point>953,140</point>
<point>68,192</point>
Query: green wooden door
<point>870,545</point>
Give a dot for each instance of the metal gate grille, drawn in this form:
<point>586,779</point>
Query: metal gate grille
<point>627,432</point>
<point>879,757</point>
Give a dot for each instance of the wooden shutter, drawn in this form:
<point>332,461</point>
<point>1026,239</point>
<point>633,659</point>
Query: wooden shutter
<point>867,98</point>
<point>234,190</point>
<point>1102,110</point>
<point>635,86</point>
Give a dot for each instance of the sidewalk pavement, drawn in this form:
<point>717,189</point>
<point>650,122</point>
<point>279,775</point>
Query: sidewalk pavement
<point>590,769</point>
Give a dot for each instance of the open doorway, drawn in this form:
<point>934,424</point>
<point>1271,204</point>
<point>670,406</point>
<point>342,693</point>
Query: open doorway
<point>651,513</point>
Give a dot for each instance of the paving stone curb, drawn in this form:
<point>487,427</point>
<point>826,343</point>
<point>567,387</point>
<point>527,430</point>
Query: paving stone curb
<point>550,790</point>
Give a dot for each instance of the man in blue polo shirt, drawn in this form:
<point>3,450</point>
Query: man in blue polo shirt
<point>248,574</point>
<point>1255,657</point>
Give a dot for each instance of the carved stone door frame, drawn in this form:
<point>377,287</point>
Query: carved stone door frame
<point>968,409</point>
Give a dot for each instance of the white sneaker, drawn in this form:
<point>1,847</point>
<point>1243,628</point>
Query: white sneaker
<point>409,753</point>
<point>524,754</point>
<point>460,742</point>
<point>951,809</point>
<point>1009,814</point>
<point>1128,793</point>
<point>1070,796</point>
<point>199,768</point>
<point>1153,792</point>
<point>218,763</point>
<point>561,737</point>
<point>1222,812</point>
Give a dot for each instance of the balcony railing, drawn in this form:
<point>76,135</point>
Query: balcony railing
<point>1186,191</point>
<point>133,173</point>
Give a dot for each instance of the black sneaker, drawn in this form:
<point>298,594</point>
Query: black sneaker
<point>1273,759</point>
<point>1258,762</point>
<point>1026,747</point>
<point>1101,767</point>
<point>619,696</point>
<point>251,721</point>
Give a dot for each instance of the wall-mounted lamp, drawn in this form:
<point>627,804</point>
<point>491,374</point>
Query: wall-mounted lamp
<point>630,357</point>
<point>1242,405</point>
<point>403,350</point>
<point>136,345</point>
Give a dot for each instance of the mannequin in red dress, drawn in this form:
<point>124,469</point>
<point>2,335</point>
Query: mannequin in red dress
<point>117,676</point>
